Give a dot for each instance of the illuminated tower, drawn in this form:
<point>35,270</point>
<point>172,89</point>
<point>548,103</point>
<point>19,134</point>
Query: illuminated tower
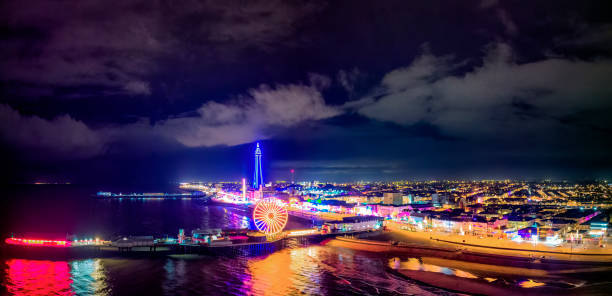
<point>257,174</point>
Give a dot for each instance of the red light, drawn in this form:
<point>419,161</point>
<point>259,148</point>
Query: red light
<point>37,242</point>
<point>35,277</point>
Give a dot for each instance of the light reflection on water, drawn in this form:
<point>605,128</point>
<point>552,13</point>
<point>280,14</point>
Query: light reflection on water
<point>88,277</point>
<point>42,277</point>
<point>286,272</point>
<point>313,270</point>
<point>318,270</point>
<point>36,277</point>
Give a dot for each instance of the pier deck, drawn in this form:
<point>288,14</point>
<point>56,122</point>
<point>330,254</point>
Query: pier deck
<point>166,249</point>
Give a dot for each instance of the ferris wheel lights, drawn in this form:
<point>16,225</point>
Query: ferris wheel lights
<point>270,216</point>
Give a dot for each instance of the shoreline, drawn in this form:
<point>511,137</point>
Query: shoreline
<point>490,269</point>
<point>479,287</point>
<point>497,247</point>
<point>454,253</point>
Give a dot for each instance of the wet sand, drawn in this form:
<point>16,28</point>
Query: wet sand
<point>479,287</point>
<point>486,275</point>
<point>483,274</point>
<point>382,245</point>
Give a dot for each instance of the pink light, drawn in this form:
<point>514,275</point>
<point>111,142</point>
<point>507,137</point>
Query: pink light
<point>37,242</point>
<point>35,277</point>
<point>243,188</point>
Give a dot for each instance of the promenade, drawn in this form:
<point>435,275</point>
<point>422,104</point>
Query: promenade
<point>503,247</point>
<point>323,216</point>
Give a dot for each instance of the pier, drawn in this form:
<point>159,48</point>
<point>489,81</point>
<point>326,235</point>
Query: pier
<point>147,246</point>
<point>152,195</point>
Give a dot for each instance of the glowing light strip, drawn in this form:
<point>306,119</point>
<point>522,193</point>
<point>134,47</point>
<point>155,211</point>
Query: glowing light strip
<point>37,242</point>
<point>302,232</point>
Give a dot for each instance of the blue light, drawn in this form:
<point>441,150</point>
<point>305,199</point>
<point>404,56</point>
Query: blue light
<point>257,174</point>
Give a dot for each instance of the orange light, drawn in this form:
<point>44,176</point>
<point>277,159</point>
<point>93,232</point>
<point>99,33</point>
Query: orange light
<point>270,216</point>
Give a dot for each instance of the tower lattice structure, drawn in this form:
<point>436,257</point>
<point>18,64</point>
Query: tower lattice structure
<point>257,174</point>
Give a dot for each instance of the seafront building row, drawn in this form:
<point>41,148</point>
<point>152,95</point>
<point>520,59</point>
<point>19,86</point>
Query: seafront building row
<point>550,212</point>
<point>541,212</point>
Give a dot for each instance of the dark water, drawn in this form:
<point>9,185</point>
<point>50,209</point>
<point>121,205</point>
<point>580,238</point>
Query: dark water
<point>297,270</point>
<point>313,270</point>
<point>69,209</point>
<point>61,209</point>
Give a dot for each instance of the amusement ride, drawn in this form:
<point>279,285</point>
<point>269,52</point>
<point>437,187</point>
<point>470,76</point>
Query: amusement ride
<point>270,216</point>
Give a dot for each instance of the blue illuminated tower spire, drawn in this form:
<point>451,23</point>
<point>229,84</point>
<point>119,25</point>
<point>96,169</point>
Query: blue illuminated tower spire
<point>257,174</point>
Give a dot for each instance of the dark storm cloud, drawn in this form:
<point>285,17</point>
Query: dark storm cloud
<point>482,101</point>
<point>63,136</point>
<point>348,79</point>
<point>79,43</point>
<point>248,118</point>
<point>118,48</point>
<point>504,17</point>
<point>121,45</point>
<point>594,37</point>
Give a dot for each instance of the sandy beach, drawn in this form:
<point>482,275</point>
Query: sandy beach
<point>502,247</point>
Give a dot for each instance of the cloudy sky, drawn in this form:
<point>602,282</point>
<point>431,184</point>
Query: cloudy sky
<point>166,91</point>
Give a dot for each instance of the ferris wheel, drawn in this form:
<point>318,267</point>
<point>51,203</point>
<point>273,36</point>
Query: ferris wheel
<point>270,216</point>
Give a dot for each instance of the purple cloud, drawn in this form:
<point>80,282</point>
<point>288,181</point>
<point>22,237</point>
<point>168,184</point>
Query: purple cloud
<point>250,117</point>
<point>62,136</point>
<point>120,47</point>
<point>497,99</point>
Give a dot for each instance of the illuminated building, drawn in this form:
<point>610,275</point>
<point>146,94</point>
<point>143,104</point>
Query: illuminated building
<point>358,223</point>
<point>598,228</point>
<point>392,198</point>
<point>407,199</point>
<point>134,241</point>
<point>435,200</point>
<point>389,210</point>
<point>257,174</point>
<point>206,235</point>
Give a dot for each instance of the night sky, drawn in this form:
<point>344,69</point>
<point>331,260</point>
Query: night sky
<point>170,91</point>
